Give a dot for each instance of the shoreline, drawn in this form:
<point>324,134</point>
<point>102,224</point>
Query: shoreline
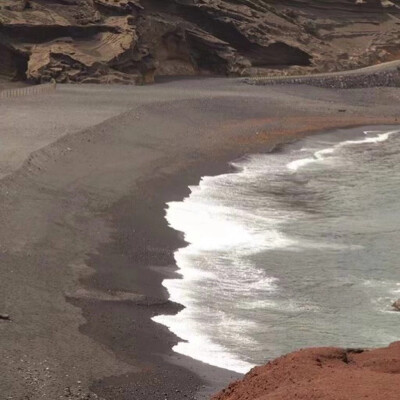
<point>230,169</point>
<point>155,259</point>
<point>99,196</point>
<point>276,148</point>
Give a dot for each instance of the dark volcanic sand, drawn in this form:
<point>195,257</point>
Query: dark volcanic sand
<point>141,269</point>
<point>84,245</point>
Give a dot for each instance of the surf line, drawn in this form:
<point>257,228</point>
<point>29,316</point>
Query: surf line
<point>320,155</point>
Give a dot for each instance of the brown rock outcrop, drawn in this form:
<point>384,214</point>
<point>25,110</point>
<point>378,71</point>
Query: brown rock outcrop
<point>133,40</point>
<point>323,374</point>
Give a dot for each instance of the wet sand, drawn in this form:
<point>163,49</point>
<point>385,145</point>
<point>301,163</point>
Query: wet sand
<point>86,172</point>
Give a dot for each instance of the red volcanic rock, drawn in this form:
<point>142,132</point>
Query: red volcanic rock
<point>323,374</point>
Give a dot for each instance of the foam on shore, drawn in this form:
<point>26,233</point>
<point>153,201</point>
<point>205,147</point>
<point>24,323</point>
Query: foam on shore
<point>228,220</point>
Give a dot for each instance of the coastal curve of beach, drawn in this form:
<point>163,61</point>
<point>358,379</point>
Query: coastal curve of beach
<point>86,173</point>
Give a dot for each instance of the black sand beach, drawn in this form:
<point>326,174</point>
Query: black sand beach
<point>84,243</point>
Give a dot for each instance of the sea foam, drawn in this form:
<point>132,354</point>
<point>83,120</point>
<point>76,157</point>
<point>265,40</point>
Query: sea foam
<point>226,221</point>
<point>321,155</point>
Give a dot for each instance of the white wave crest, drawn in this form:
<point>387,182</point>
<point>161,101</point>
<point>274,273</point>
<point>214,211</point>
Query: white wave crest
<point>320,155</point>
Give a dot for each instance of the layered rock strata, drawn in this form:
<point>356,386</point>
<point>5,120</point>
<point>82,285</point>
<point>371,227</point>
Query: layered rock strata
<point>135,40</point>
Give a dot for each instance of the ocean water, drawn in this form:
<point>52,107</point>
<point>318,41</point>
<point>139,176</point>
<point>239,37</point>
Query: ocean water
<point>296,248</point>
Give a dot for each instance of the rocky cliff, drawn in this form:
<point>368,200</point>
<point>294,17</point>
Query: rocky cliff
<point>135,40</point>
<point>323,374</point>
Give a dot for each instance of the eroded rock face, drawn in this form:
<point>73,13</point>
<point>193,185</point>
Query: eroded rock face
<point>134,40</point>
<point>323,374</point>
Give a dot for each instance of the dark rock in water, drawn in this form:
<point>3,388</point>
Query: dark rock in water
<point>396,305</point>
<point>134,41</point>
